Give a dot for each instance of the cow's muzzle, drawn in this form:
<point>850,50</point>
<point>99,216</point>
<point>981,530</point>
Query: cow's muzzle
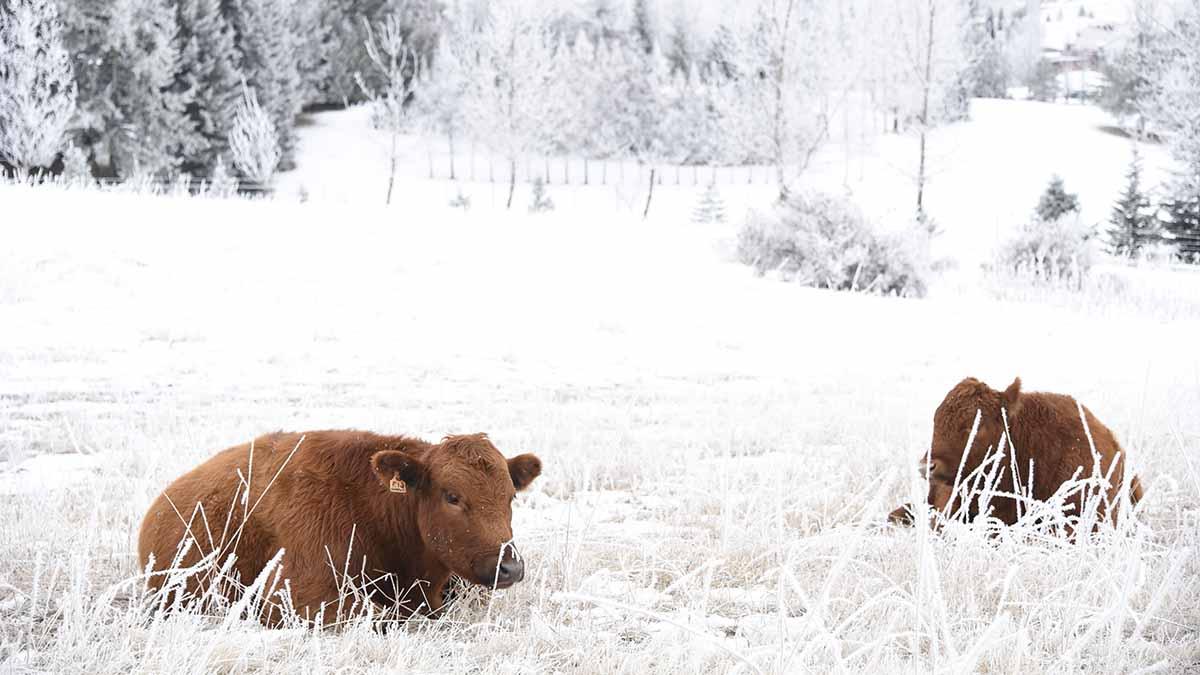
<point>501,569</point>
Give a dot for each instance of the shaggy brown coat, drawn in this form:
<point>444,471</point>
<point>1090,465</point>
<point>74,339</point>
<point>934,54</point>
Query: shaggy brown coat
<point>389,517</point>
<point>1044,429</point>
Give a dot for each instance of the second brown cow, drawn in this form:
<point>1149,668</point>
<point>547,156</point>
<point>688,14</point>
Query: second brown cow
<point>1047,445</point>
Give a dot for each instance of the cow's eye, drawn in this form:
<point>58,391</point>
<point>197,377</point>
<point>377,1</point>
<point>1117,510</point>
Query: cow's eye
<point>451,498</point>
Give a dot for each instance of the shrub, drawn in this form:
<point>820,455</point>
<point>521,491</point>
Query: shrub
<point>826,242</point>
<point>1059,250</point>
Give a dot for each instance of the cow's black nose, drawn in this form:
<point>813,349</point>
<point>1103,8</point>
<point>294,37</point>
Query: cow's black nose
<point>501,570</point>
<point>511,571</point>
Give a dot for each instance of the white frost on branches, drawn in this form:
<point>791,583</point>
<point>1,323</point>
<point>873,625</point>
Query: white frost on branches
<point>253,141</point>
<point>37,87</point>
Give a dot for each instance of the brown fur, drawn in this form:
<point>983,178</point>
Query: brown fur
<point>329,506</point>
<point>1045,428</point>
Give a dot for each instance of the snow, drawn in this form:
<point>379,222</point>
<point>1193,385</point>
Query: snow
<point>720,450</point>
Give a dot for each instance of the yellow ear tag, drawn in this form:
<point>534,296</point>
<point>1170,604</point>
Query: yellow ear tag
<point>396,485</point>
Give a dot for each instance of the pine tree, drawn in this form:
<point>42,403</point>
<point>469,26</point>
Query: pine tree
<point>1133,221</point>
<point>1056,202</point>
<point>1182,218</point>
<point>270,64</point>
<point>541,201</point>
<point>253,142</point>
<point>642,30</point>
<point>143,120</point>
<point>710,208</point>
<point>210,70</point>
<point>37,87</point>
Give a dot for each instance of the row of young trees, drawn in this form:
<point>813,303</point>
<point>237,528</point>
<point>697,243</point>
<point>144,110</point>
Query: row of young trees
<point>771,85</point>
<point>1154,85</point>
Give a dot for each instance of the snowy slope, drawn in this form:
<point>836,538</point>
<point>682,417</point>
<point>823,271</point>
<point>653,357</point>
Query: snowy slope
<point>986,174</point>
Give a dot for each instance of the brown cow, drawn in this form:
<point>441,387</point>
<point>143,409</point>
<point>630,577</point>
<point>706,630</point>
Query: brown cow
<point>390,518</point>
<point>1043,428</point>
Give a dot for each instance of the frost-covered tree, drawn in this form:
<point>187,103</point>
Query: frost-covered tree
<point>681,40</point>
<point>933,55</point>
<point>1132,68</point>
<point>1133,223</point>
<point>137,118</point>
<point>445,84</point>
<point>1056,202</point>
<point>342,46</point>
<point>313,46</point>
<point>789,77</point>
<point>395,64</point>
<point>210,70</point>
<point>514,68</point>
<point>1173,110</point>
<point>644,35</point>
<point>270,63</point>
<point>37,86</point>
<point>253,141</point>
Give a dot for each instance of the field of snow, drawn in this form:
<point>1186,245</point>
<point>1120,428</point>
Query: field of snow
<point>720,450</point>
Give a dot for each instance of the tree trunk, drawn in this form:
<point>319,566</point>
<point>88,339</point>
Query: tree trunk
<point>391,171</point>
<point>649,195</point>
<point>925,111</point>
<point>512,181</point>
<point>585,171</point>
<point>546,161</point>
<point>452,176</point>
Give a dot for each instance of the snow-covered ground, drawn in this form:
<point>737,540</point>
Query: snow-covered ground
<point>720,450</point>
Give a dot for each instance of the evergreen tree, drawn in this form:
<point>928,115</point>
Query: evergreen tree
<point>680,50</point>
<point>711,208</point>
<point>989,72</point>
<point>37,88</point>
<point>541,201</point>
<point>1043,84</point>
<point>210,70</point>
<point>1131,70</point>
<point>1182,218</point>
<point>142,118</point>
<point>642,30</point>
<point>1133,221</point>
<point>1056,202</point>
<point>270,64</point>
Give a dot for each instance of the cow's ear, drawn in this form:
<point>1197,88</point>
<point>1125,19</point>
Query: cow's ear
<point>390,465</point>
<point>523,469</point>
<point>1012,397</point>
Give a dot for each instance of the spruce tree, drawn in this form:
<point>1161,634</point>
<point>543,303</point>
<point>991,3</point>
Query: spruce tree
<point>642,29</point>
<point>269,62</point>
<point>144,122</point>
<point>210,69</point>
<point>1056,202</point>
<point>1182,218</point>
<point>1133,221</point>
<point>711,208</point>
<point>37,88</point>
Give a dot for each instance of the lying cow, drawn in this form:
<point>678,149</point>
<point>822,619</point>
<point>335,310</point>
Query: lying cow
<point>391,516</point>
<point>1042,428</point>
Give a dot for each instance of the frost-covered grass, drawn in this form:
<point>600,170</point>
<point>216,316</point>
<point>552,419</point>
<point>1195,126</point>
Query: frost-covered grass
<point>721,450</point>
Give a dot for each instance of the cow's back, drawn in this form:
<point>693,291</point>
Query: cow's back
<point>209,506</point>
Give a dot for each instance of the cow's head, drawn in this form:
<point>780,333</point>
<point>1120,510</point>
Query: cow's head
<point>952,424</point>
<point>464,488</point>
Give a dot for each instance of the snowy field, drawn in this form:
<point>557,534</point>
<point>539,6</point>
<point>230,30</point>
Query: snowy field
<point>720,450</point>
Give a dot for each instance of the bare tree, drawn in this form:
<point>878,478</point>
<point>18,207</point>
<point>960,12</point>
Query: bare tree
<point>934,60</point>
<point>37,86</point>
<point>396,63</point>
